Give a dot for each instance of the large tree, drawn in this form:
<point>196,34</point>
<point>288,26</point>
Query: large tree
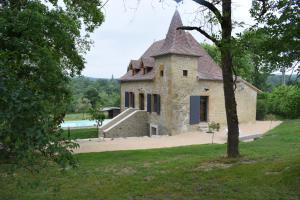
<point>42,44</point>
<point>93,96</point>
<point>222,17</point>
<point>278,21</point>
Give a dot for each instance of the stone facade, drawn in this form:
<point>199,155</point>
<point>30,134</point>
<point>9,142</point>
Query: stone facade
<point>175,91</point>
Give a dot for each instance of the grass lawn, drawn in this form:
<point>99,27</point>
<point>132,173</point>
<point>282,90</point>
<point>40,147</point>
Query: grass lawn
<point>77,116</point>
<point>81,133</point>
<point>268,169</point>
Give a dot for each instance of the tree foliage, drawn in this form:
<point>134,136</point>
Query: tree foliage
<point>42,46</point>
<point>278,21</point>
<point>245,63</point>
<point>108,91</point>
<point>93,96</point>
<point>285,101</point>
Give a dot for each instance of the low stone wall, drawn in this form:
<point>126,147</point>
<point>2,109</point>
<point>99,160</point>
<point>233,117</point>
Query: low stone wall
<point>118,118</point>
<point>133,125</point>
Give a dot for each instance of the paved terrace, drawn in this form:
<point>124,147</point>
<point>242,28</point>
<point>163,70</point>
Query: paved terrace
<point>247,133</point>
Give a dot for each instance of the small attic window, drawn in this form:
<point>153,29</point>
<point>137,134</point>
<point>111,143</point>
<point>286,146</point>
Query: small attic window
<point>147,70</point>
<point>185,72</point>
<point>161,72</point>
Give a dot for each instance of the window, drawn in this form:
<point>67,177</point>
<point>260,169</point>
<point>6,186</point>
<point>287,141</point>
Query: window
<point>153,129</point>
<point>126,99</point>
<point>156,106</point>
<point>147,70</point>
<point>153,103</point>
<point>161,72</point>
<point>185,72</point>
<point>149,103</point>
<point>129,99</point>
<point>198,109</point>
<point>142,101</point>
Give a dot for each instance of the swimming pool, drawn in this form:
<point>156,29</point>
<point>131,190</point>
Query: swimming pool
<point>81,123</point>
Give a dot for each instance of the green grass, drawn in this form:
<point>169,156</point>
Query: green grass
<point>81,133</point>
<point>268,169</point>
<point>77,116</point>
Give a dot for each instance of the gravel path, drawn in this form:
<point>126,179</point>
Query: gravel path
<point>131,143</point>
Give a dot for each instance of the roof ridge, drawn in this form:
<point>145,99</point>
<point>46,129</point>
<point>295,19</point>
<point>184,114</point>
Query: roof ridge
<point>177,41</point>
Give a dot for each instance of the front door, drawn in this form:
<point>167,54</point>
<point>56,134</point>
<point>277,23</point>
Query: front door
<point>198,109</point>
<point>142,101</point>
<point>203,108</point>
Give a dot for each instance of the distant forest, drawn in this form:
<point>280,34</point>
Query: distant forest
<point>86,90</point>
<point>275,80</point>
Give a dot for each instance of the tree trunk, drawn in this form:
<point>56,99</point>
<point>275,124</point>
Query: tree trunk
<point>226,62</point>
<point>283,76</point>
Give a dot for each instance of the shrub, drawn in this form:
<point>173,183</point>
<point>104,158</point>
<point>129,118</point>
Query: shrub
<point>213,126</point>
<point>261,108</point>
<point>285,101</point>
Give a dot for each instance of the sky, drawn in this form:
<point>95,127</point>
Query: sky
<point>131,26</point>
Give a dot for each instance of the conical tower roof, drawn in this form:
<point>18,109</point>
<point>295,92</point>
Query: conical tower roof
<point>178,41</point>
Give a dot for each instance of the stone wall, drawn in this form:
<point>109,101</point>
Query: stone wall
<point>134,125</point>
<point>184,87</point>
<point>161,86</point>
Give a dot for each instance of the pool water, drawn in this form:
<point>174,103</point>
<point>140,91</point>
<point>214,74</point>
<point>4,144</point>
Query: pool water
<point>82,123</point>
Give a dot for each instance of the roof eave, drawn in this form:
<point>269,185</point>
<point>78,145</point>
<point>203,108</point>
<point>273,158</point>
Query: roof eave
<point>171,53</point>
<point>135,80</point>
<point>239,80</point>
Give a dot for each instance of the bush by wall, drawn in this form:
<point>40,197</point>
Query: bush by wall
<point>285,101</point>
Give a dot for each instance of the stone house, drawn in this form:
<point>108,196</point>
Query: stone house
<point>174,87</point>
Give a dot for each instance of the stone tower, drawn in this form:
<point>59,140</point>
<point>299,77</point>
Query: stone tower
<point>178,58</point>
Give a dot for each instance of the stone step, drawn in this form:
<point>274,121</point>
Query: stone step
<point>118,118</point>
<point>203,127</point>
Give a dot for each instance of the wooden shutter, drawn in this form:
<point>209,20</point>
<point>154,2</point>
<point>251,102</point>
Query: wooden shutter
<point>148,102</point>
<point>158,104</point>
<point>132,99</point>
<point>194,109</point>
<point>127,99</point>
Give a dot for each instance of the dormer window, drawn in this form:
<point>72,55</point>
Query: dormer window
<point>147,70</point>
<point>135,71</point>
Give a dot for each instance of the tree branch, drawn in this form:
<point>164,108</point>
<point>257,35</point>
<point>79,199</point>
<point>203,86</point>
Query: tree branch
<point>212,8</point>
<point>190,28</point>
<point>264,8</point>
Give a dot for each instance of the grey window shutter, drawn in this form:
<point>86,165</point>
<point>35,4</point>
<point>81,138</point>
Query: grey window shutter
<point>194,109</point>
<point>132,99</point>
<point>127,99</point>
<point>158,104</point>
<point>148,102</point>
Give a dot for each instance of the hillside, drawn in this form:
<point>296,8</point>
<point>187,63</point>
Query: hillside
<point>276,79</point>
<point>108,89</point>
